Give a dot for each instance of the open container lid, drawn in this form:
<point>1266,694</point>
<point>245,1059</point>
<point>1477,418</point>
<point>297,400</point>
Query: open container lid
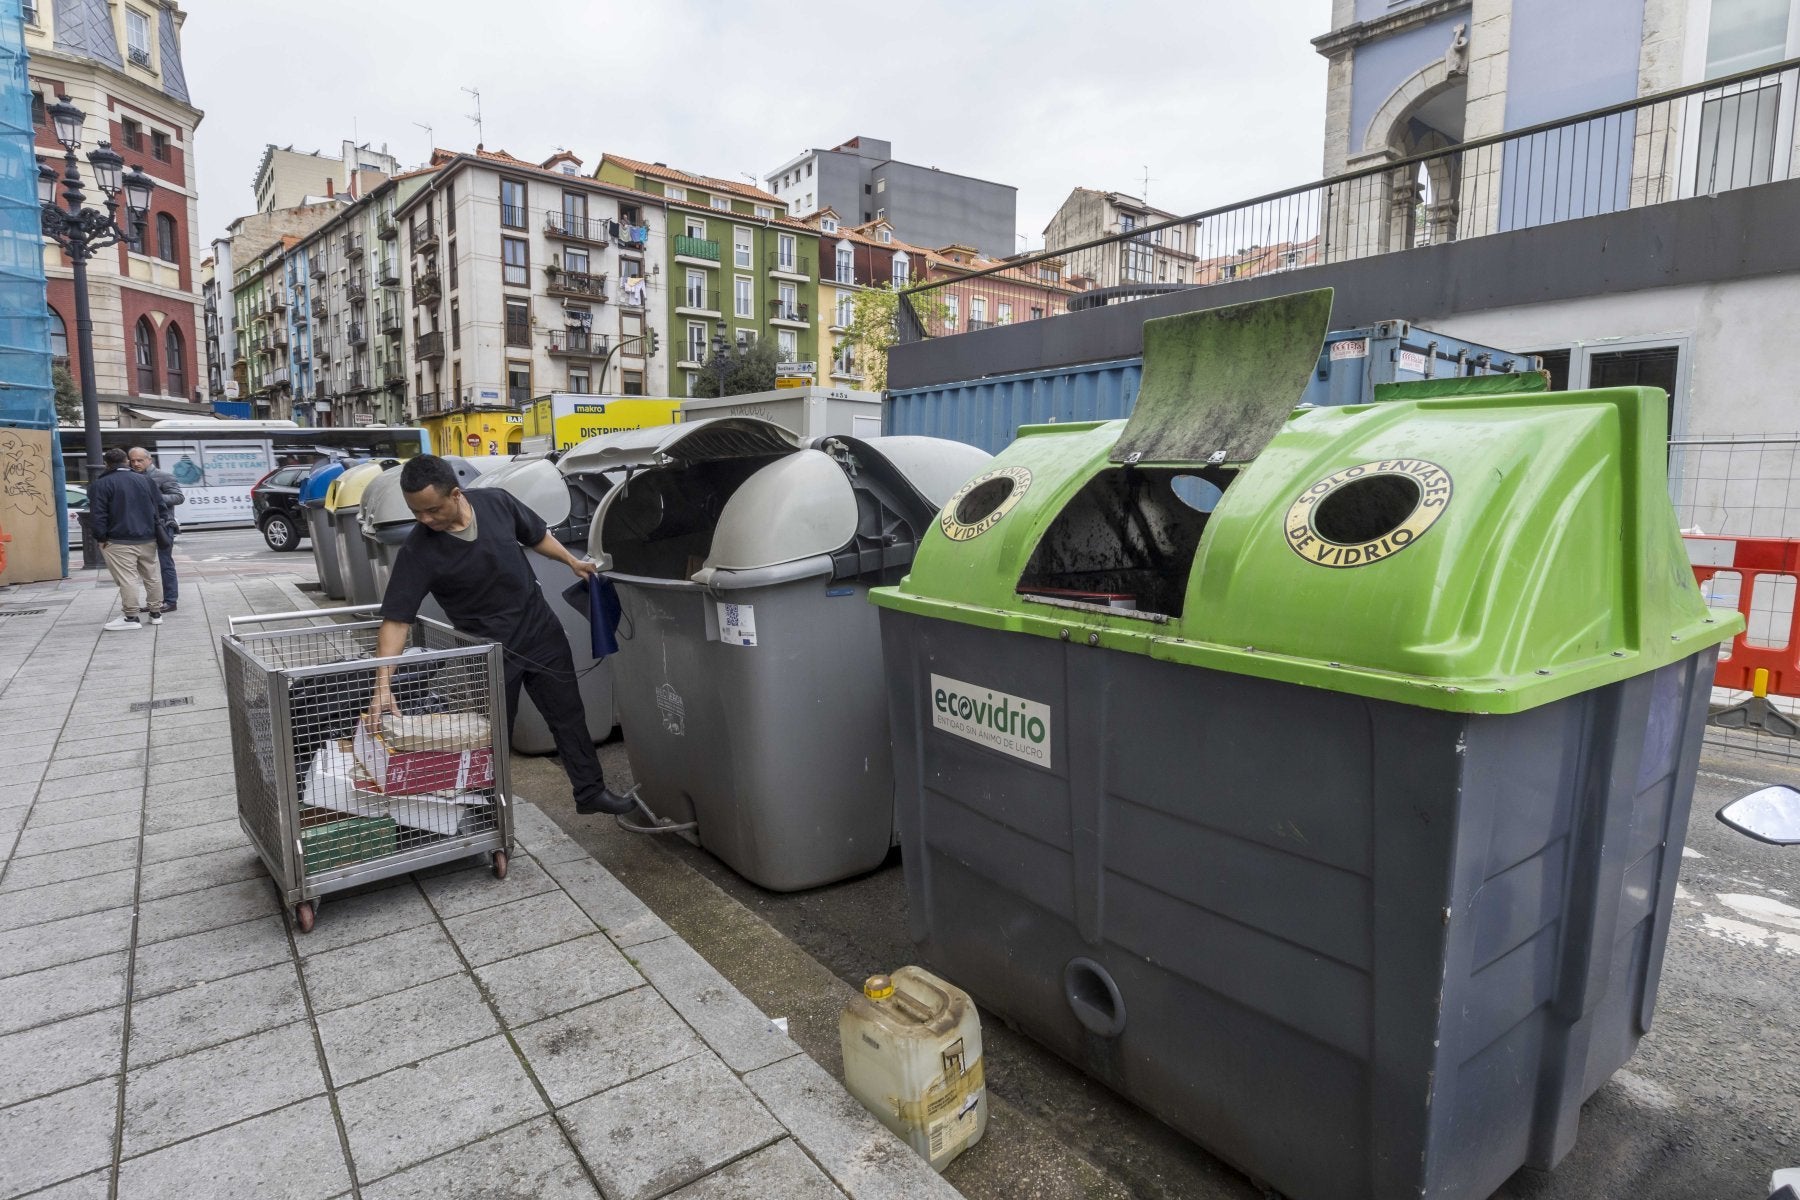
<point>656,445</point>
<point>536,483</point>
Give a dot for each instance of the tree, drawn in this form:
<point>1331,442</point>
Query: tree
<point>68,396</point>
<point>874,327</point>
<point>751,370</point>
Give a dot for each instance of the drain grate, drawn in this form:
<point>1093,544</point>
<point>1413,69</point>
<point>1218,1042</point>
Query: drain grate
<point>23,612</point>
<point>153,705</point>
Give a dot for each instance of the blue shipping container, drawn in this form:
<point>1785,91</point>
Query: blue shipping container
<point>988,412</point>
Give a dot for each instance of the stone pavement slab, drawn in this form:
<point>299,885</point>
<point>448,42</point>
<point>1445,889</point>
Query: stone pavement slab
<point>436,1036</point>
<point>291,1152</point>
<point>648,1137</point>
<point>530,1160</point>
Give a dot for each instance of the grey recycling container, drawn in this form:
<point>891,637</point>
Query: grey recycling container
<point>343,507</point>
<point>748,678</point>
<point>1316,779</point>
<point>566,503</point>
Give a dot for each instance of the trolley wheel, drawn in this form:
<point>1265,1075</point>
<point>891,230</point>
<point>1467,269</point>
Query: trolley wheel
<point>499,864</point>
<point>303,916</point>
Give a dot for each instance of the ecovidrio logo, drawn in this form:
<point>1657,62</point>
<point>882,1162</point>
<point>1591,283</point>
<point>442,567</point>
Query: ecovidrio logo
<point>998,720</point>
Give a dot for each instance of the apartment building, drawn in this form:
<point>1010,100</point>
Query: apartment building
<point>1004,295</point>
<point>1164,256</point>
<point>119,62</point>
<point>765,286</point>
<point>529,278</point>
<point>860,181</point>
<point>854,259</point>
<point>289,178</point>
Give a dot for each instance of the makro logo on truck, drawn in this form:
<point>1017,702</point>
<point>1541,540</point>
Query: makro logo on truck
<point>1010,724</point>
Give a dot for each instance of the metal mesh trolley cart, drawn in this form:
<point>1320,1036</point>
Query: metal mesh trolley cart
<point>329,800</point>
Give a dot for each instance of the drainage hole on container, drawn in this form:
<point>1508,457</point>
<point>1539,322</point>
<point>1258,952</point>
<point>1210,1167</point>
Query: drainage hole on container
<point>1094,997</point>
<point>1366,509</point>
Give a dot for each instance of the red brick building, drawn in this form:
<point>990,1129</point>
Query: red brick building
<point>119,62</point>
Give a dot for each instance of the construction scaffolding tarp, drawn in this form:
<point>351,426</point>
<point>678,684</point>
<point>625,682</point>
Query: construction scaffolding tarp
<point>33,505</point>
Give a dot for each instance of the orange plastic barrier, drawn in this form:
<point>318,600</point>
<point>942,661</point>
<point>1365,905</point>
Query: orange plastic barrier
<point>1752,559</point>
<point>4,538</point>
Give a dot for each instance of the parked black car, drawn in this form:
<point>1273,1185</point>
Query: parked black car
<point>275,498</point>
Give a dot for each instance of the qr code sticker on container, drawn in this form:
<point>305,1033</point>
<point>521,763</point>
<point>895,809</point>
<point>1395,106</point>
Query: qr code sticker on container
<point>737,624</point>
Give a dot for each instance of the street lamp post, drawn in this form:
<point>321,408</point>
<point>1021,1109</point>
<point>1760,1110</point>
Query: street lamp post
<point>83,232</point>
<point>721,360</point>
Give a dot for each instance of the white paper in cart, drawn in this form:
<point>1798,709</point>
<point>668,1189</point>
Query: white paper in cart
<point>444,813</point>
<point>334,782</point>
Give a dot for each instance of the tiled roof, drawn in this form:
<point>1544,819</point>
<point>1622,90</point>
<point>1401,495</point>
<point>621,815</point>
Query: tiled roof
<point>706,182</point>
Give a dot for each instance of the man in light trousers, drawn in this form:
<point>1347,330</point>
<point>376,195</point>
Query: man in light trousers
<point>125,510</point>
<point>141,462</point>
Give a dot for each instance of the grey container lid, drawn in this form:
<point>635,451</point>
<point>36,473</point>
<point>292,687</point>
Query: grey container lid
<point>936,466</point>
<point>797,507</point>
<point>537,484</point>
<point>720,437</point>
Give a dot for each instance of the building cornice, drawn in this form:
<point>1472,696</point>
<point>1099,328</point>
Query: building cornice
<point>1351,36</point>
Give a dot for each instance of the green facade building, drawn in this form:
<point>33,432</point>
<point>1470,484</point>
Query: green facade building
<point>734,265</point>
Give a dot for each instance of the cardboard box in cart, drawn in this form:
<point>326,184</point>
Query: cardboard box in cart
<point>401,772</point>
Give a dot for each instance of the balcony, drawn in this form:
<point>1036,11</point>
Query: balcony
<point>430,346</point>
<point>319,268</point>
<point>278,302</point>
<point>387,272</point>
<point>359,334</point>
<point>577,284</point>
<point>318,306</point>
<point>577,342</point>
<point>321,347</point>
<point>785,313</point>
<point>357,381</point>
<point>424,235</point>
<point>976,324</point>
<point>429,403</point>
<point>388,320</point>
<point>702,252</point>
<point>699,302</point>
<point>626,238</point>
<point>518,333</point>
<point>280,336</point>
<point>386,227</point>
<point>575,228</point>
<point>357,289</point>
<point>794,266</point>
<point>427,286</point>
<point>353,245</point>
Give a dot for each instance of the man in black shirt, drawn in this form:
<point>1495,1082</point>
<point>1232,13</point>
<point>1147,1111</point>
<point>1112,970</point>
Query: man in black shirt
<point>468,553</point>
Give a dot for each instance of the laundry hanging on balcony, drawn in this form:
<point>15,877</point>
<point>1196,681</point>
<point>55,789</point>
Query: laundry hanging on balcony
<point>631,291</point>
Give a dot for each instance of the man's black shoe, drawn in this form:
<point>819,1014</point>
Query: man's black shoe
<point>169,608</point>
<point>609,802</point>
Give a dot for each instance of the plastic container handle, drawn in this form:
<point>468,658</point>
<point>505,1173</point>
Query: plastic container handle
<point>1094,997</point>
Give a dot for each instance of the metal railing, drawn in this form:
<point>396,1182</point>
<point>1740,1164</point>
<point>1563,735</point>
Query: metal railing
<point>429,402</point>
<point>430,345</point>
<point>577,341</point>
<point>424,234</point>
<point>386,227</point>
<point>792,313</point>
<point>512,216</point>
<point>387,273</point>
<point>789,264</point>
<point>701,300</point>
<point>577,283</point>
<point>518,333</point>
<point>427,286</point>
<point>353,245</point>
<point>1733,132</point>
<point>359,334</point>
<point>693,247</point>
<point>576,228</point>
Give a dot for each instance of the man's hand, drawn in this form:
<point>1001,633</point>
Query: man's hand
<point>380,705</point>
<point>586,568</point>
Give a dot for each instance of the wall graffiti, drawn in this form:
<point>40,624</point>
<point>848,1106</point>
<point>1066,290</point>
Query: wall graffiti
<point>26,480</point>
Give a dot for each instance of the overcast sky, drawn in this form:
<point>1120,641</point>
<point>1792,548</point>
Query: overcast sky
<point>1220,99</point>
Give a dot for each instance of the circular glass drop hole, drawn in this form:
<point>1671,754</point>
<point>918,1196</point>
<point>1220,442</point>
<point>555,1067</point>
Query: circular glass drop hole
<point>1366,509</point>
<point>983,499</point>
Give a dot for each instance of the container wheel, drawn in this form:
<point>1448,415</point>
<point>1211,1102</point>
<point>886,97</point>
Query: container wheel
<point>303,916</point>
<point>499,864</point>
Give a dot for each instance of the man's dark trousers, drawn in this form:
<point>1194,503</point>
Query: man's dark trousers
<point>165,558</point>
<point>545,668</point>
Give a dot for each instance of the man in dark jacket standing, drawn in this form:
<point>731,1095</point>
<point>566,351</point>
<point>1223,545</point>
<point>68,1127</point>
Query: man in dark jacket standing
<point>140,461</point>
<point>125,510</point>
